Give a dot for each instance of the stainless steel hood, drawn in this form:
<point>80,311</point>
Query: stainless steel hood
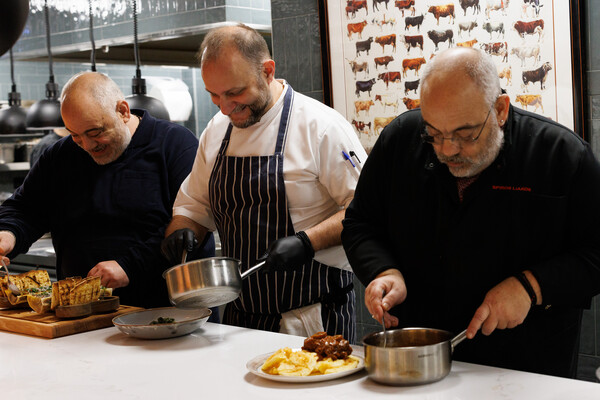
<point>173,47</point>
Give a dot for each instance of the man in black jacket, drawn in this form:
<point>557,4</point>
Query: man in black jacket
<point>470,213</point>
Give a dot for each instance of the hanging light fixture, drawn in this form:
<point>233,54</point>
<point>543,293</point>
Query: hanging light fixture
<point>139,99</point>
<point>12,21</point>
<point>93,54</point>
<point>12,119</point>
<point>45,114</point>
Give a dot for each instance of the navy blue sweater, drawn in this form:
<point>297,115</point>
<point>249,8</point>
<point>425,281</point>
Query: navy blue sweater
<point>117,211</point>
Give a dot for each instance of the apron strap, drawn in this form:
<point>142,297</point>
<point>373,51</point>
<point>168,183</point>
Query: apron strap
<point>225,142</point>
<point>285,119</point>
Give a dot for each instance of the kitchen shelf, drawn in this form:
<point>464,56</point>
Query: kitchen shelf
<point>20,137</point>
<point>15,166</point>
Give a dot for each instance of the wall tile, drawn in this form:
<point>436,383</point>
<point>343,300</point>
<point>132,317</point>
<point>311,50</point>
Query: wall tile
<point>214,15</point>
<point>317,95</point>
<point>293,8</point>
<point>593,12</point>
<point>594,125</point>
<point>302,33</point>
<point>260,17</point>
<point>593,82</point>
<point>315,53</point>
<point>595,107</point>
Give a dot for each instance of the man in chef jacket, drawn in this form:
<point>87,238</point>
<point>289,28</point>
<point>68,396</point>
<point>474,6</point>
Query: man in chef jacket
<point>274,173</point>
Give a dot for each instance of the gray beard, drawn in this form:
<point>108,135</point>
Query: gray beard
<point>475,165</point>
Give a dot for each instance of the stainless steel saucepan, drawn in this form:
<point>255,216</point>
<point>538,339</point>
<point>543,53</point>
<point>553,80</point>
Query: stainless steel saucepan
<point>411,356</point>
<point>209,282</point>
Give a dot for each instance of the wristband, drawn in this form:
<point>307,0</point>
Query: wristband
<point>528,288</point>
<point>308,249</point>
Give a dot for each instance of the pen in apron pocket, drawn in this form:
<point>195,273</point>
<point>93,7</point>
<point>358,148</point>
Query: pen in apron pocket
<point>347,157</point>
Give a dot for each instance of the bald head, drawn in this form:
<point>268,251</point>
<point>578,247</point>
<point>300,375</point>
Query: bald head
<point>460,66</point>
<point>241,38</point>
<point>91,89</point>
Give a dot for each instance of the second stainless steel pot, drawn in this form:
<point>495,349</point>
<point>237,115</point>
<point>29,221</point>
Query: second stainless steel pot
<point>412,356</point>
<point>209,282</point>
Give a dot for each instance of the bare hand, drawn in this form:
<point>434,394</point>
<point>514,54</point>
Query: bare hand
<point>6,261</point>
<point>7,242</point>
<point>505,306</point>
<point>392,282</point>
<point>111,274</point>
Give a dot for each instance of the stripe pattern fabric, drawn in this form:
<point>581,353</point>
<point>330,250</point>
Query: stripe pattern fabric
<point>249,204</point>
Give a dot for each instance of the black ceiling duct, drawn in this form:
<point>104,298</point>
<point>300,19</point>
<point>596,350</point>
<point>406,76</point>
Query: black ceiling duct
<point>139,99</point>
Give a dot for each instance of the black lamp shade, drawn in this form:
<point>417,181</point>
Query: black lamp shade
<point>12,120</point>
<point>12,21</point>
<point>154,106</point>
<point>44,115</point>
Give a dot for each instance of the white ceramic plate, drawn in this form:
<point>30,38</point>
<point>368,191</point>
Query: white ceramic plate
<point>137,324</point>
<point>257,362</point>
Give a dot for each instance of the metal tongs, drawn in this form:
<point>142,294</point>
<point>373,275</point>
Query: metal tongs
<point>13,288</point>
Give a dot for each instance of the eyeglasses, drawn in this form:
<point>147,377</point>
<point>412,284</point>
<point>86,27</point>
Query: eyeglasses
<point>459,137</point>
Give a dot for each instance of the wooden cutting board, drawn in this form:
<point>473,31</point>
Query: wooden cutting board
<point>47,325</point>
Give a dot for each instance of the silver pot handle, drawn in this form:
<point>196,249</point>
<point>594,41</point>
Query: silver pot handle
<point>457,339</point>
<point>253,269</point>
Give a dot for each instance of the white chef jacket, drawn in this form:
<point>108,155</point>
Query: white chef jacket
<point>319,180</point>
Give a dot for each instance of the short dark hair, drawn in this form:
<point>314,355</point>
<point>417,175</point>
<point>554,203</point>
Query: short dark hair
<point>247,41</point>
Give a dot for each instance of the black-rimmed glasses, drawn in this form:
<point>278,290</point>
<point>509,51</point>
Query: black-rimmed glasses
<point>459,138</point>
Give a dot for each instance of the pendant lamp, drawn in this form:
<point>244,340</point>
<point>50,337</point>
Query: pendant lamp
<point>138,85</point>
<point>12,119</point>
<point>13,16</point>
<point>45,114</point>
<point>93,53</point>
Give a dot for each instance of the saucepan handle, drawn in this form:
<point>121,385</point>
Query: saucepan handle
<point>253,269</point>
<point>457,339</point>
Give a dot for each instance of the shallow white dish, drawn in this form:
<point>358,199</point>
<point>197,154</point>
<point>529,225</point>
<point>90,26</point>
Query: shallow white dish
<point>137,324</point>
<point>257,362</point>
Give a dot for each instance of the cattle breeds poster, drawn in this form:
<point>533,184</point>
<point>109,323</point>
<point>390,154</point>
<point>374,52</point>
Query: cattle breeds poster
<point>379,47</point>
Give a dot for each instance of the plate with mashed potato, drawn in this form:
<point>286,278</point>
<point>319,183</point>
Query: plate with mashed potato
<point>301,366</point>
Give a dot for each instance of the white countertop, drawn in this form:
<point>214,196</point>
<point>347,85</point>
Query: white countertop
<point>211,364</point>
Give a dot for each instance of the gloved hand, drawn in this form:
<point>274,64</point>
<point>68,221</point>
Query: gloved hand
<point>173,245</point>
<point>288,253</point>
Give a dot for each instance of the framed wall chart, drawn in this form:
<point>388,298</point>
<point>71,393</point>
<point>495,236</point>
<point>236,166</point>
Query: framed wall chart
<point>374,51</point>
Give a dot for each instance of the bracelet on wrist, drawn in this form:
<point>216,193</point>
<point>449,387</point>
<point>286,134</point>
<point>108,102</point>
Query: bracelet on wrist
<point>527,285</point>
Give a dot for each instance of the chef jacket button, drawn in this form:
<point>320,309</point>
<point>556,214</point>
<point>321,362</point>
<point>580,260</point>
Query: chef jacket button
<point>431,165</point>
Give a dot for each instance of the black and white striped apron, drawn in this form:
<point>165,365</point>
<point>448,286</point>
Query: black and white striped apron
<point>247,198</point>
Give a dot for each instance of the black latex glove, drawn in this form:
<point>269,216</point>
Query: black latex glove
<point>173,245</point>
<point>288,253</point>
